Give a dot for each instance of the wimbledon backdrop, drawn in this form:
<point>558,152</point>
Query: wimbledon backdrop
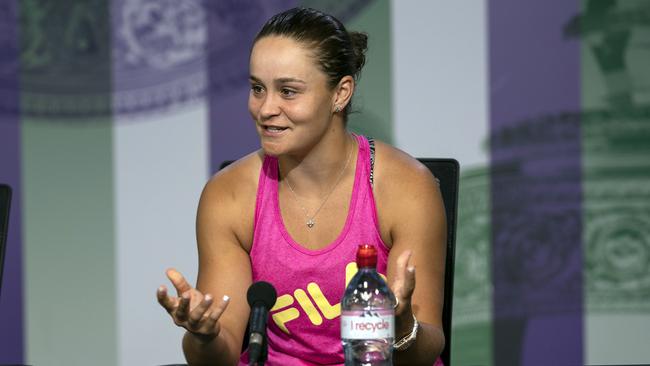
<point>113,114</point>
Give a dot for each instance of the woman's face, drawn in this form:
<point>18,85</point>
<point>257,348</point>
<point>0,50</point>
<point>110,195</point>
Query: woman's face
<point>289,100</point>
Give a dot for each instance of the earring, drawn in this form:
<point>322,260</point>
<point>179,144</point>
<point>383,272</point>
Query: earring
<point>337,109</point>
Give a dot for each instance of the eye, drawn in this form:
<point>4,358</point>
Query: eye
<point>287,93</point>
<point>257,89</point>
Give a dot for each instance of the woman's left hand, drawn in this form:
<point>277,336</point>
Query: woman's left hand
<point>402,288</point>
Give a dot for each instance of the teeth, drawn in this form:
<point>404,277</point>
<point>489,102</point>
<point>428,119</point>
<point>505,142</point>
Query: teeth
<point>274,128</point>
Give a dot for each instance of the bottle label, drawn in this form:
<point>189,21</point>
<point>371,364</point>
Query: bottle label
<point>373,324</point>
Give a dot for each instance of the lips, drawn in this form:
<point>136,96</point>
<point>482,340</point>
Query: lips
<point>270,130</point>
<point>274,128</point>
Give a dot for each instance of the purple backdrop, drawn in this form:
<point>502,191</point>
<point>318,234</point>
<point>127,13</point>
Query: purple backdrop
<point>11,298</point>
<point>231,29</point>
<point>535,184</point>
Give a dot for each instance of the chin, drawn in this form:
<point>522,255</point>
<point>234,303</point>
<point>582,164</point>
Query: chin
<point>272,149</point>
<point>270,153</point>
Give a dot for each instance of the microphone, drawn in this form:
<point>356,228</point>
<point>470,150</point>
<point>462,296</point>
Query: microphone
<point>261,298</point>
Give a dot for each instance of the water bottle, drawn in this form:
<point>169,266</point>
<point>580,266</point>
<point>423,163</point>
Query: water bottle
<point>368,315</point>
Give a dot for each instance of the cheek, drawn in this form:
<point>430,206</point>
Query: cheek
<point>253,106</point>
<point>308,110</point>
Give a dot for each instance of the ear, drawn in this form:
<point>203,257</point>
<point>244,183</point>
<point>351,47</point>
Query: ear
<point>343,93</point>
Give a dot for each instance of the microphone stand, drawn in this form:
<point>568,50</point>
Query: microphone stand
<point>263,354</point>
<point>261,296</point>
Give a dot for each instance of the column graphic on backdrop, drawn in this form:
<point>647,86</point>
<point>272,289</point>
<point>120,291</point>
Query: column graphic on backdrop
<point>472,288</point>
<point>616,147</point>
<point>614,129</point>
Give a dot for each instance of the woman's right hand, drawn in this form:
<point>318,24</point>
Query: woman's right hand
<point>192,309</point>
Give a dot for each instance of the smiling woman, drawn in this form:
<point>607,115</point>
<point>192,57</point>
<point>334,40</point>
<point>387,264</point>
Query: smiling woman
<point>294,212</point>
<point>291,99</point>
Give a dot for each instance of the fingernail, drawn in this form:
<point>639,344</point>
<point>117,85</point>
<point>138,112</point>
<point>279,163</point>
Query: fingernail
<point>161,289</point>
<point>226,298</point>
<point>208,297</point>
<point>411,269</point>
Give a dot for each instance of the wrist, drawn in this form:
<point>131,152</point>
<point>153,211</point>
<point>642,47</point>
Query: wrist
<point>403,323</point>
<point>200,339</point>
<point>216,351</point>
<point>404,341</point>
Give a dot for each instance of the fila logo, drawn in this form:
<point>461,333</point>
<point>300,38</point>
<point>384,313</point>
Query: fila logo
<point>283,311</point>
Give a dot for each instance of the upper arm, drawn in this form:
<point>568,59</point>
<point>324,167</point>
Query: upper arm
<point>414,210</point>
<point>224,264</point>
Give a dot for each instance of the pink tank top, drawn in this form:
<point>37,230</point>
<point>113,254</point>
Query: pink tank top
<point>304,328</point>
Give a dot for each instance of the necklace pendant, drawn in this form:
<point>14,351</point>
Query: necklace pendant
<point>310,223</point>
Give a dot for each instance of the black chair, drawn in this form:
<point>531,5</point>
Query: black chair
<point>447,173</point>
<point>5,200</point>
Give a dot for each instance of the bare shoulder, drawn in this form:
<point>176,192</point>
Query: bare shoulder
<point>237,178</point>
<point>397,171</point>
<point>405,192</point>
<point>228,199</point>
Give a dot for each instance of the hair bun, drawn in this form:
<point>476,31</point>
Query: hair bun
<point>359,42</point>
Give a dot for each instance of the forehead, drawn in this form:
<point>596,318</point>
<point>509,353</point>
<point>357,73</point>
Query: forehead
<point>277,56</point>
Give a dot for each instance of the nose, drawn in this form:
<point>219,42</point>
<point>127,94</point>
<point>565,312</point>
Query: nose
<point>269,107</point>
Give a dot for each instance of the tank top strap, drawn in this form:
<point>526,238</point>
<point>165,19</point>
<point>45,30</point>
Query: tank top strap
<point>366,188</point>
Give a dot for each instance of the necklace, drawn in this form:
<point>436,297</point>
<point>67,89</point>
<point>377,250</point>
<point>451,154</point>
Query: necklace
<point>310,219</point>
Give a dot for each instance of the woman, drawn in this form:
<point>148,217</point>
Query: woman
<point>294,212</point>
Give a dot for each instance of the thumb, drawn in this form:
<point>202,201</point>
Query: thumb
<point>405,279</point>
<point>179,282</point>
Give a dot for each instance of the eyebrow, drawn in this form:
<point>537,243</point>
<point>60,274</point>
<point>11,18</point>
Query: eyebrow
<point>279,80</point>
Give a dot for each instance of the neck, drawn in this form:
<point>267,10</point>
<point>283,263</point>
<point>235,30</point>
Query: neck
<point>313,174</point>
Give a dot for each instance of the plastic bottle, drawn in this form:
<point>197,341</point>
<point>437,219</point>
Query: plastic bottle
<point>368,315</point>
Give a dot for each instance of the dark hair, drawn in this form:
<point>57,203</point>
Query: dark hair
<point>337,51</point>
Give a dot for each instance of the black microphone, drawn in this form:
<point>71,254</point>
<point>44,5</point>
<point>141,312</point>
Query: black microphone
<point>261,298</point>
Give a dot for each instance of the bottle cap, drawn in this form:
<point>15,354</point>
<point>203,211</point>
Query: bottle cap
<point>366,256</point>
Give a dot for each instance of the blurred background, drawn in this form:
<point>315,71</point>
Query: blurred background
<point>114,113</point>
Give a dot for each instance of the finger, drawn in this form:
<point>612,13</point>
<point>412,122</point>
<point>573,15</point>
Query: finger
<point>179,282</point>
<point>198,312</point>
<point>182,311</point>
<point>210,323</point>
<point>215,314</point>
<point>409,282</point>
<point>403,261</point>
<point>163,299</point>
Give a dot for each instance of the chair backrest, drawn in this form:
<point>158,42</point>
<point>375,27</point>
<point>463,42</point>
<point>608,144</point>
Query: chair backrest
<point>447,171</point>
<point>5,199</point>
